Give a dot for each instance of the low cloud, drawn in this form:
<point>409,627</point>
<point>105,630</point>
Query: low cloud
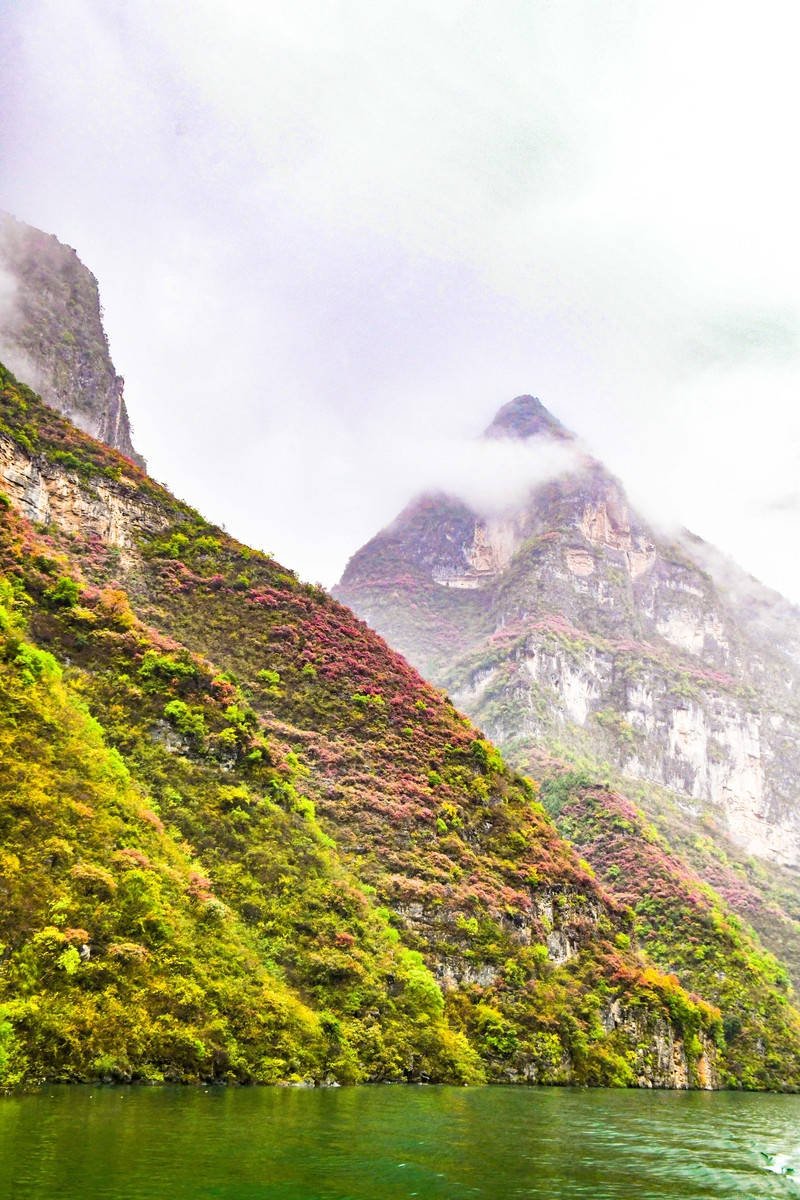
<point>11,354</point>
<point>488,475</point>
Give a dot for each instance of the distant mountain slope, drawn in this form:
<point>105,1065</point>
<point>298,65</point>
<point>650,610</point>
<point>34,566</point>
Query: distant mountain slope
<point>568,628</point>
<point>52,336</point>
<point>288,855</point>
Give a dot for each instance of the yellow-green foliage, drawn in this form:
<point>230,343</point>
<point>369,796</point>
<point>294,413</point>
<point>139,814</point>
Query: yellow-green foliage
<point>120,960</point>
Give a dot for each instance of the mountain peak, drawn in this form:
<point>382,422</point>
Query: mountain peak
<point>524,417</point>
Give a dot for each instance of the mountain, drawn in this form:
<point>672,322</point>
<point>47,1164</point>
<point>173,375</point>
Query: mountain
<point>574,632</point>
<point>240,838</point>
<point>51,333</point>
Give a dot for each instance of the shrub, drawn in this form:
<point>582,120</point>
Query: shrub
<point>188,722</point>
<point>64,593</point>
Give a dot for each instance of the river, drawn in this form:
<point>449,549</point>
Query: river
<point>388,1143</point>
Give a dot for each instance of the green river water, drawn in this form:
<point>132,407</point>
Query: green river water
<point>388,1143</point>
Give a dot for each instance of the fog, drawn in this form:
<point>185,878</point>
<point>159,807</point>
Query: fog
<point>332,238</point>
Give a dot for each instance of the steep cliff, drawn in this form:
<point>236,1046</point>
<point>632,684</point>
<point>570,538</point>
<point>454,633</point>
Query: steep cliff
<point>567,626</point>
<point>52,336</point>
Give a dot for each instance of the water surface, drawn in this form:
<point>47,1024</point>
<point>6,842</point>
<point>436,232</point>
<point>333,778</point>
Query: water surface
<point>388,1143</point>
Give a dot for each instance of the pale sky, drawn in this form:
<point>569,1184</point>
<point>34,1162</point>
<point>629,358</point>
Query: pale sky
<point>332,238</point>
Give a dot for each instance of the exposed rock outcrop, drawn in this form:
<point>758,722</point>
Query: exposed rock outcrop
<point>569,628</point>
<point>45,493</point>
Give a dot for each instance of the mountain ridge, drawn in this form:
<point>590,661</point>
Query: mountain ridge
<point>524,417</point>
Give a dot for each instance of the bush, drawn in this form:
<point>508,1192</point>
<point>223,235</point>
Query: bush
<point>188,722</point>
<point>64,593</point>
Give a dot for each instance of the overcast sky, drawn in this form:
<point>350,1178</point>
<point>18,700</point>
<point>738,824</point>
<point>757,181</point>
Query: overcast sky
<point>333,237</point>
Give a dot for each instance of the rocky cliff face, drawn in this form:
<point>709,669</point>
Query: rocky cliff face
<point>570,625</point>
<point>51,333</point>
<point>48,494</point>
<point>241,839</point>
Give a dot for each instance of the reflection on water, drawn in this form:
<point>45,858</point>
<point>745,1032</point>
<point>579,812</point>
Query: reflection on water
<point>382,1143</point>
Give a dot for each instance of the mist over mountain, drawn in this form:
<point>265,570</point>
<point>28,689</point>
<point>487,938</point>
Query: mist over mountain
<point>349,246</point>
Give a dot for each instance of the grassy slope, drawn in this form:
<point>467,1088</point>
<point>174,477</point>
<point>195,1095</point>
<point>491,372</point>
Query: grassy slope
<point>274,964</point>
